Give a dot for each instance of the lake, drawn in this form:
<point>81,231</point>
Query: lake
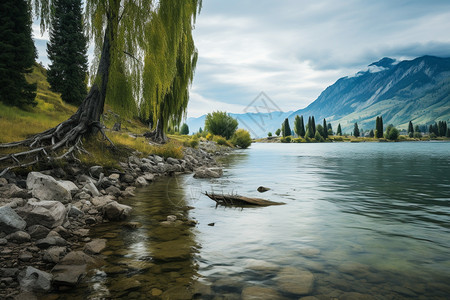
<point>361,221</point>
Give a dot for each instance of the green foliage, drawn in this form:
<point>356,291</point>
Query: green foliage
<point>242,139</point>
<point>320,130</point>
<point>325,129</point>
<point>220,140</point>
<point>286,139</point>
<point>200,130</point>
<point>285,128</point>
<point>379,127</point>
<point>330,129</point>
<point>417,135</point>
<point>356,130</point>
<point>410,128</point>
<point>184,129</point>
<point>269,134</point>
<point>392,133</point>
<point>193,142</point>
<point>339,130</point>
<point>299,126</point>
<point>17,54</point>
<point>447,134</point>
<point>318,137</point>
<point>67,52</point>
<point>278,132</point>
<point>371,133</point>
<point>219,123</point>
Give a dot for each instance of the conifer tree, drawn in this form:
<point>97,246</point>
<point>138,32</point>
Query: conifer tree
<point>313,124</point>
<point>339,130</point>
<point>67,52</point>
<point>356,130</point>
<point>299,126</point>
<point>410,128</point>
<point>184,129</point>
<point>379,127</point>
<point>330,129</point>
<point>286,128</point>
<point>325,129</point>
<point>17,53</point>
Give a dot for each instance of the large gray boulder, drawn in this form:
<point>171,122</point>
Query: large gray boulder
<point>36,280</point>
<point>10,221</point>
<point>45,187</point>
<point>204,172</point>
<point>50,214</point>
<point>115,212</point>
<point>70,186</point>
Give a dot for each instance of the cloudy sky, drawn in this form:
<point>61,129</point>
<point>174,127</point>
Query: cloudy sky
<point>293,49</point>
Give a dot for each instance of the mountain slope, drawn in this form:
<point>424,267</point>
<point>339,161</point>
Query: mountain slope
<point>416,90</point>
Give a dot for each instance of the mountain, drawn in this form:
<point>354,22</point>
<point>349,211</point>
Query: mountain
<point>417,90</point>
<point>258,124</point>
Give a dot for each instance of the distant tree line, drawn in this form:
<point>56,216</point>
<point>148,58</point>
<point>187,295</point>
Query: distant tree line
<point>321,132</point>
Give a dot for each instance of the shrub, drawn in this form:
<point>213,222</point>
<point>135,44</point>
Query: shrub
<point>269,134</point>
<point>392,133</point>
<point>286,139</point>
<point>417,135</point>
<point>209,137</point>
<point>318,137</point>
<point>220,140</point>
<point>242,139</point>
<point>278,132</point>
<point>193,143</point>
<point>220,123</point>
<point>297,140</point>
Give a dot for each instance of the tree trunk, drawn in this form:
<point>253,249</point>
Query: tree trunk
<point>157,135</point>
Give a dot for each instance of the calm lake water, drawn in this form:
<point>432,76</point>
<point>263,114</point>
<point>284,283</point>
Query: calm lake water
<point>365,219</point>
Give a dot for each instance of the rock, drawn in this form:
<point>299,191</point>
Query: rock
<point>45,187</point>
<point>149,177</point>
<point>257,292</point>
<point>63,232</point>
<point>54,254</point>
<point>92,189</point>
<point>47,213</point>
<point>75,212</point>
<point>114,211</point>
<point>25,256</point>
<point>95,246</point>
<point>204,172</point>
<point>355,296</point>
<point>141,181</point>
<point>263,189</point>
<point>77,258</point>
<point>8,272</point>
<point>171,218</point>
<point>3,242</point>
<point>172,161</point>
<point>95,171</point>
<point>102,200</point>
<point>14,191</point>
<point>125,284</point>
<point>295,281</point>
<point>309,252</point>
<point>19,237</point>
<point>68,275</point>
<point>112,190</point>
<point>114,176</point>
<point>354,268</point>
<point>70,186</point>
<point>25,295</point>
<point>3,181</point>
<point>156,292</point>
<point>51,241</point>
<point>158,159</point>
<point>38,231</point>
<point>36,280</point>
<point>127,178</point>
<point>10,221</point>
<point>261,266</point>
<point>81,232</point>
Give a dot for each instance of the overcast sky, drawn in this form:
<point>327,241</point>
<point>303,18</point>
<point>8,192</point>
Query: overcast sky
<point>293,49</point>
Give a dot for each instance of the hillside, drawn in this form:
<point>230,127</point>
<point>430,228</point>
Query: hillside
<point>416,90</point>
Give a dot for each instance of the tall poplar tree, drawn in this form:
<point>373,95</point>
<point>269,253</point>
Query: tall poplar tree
<point>325,129</point>
<point>67,52</point>
<point>299,126</point>
<point>17,53</point>
<point>286,128</point>
<point>356,130</point>
<point>410,127</point>
<point>339,130</point>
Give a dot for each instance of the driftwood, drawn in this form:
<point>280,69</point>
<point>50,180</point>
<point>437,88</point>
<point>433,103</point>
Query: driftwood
<point>236,200</point>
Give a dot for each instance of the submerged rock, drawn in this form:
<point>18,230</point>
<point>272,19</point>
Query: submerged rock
<point>295,281</point>
<point>95,246</point>
<point>257,293</point>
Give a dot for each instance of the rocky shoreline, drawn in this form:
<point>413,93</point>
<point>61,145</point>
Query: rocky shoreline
<point>45,217</point>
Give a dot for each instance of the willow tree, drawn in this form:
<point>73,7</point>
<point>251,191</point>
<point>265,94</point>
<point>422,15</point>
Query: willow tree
<point>145,58</point>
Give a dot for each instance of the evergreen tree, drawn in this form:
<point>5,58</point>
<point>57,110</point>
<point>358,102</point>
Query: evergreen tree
<point>200,130</point>
<point>430,129</point>
<point>17,53</point>
<point>325,129</point>
<point>286,128</point>
<point>379,127</point>
<point>339,130</point>
<point>448,132</point>
<point>299,126</point>
<point>184,129</point>
<point>410,128</point>
<point>67,52</point>
<point>371,133</point>
<point>329,129</point>
<point>313,124</point>
<point>442,128</point>
<point>435,129</point>
<point>278,132</point>
<point>356,130</point>
<point>320,130</point>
